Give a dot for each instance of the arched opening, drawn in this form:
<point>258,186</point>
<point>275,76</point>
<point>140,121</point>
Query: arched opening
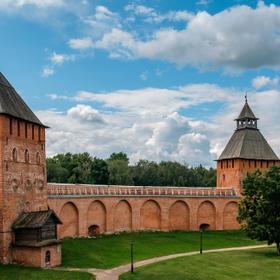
<point>123,216</point>
<point>150,215</point>
<point>14,154</point>
<point>97,216</point>
<point>26,156</point>
<point>230,215</point>
<point>93,230</point>
<point>179,216</point>
<point>48,258</point>
<point>204,227</point>
<point>207,214</point>
<point>70,219</point>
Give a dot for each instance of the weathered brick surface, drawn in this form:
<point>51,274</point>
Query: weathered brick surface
<point>231,173</point>
<point>32,256</point>
<point>143,213</point>
<point>22,176</point>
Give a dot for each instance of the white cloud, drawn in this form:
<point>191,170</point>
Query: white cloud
<point>103,21</point>
<point>264,81</point>
<point>81,43</point>
<point>150,124</point>
<point>144,76</point>
<point>59,59</point>
<point>6,4</point>
<point>150,15</point>
<point>55,61</point>
<point>234,38</point>
<point>85,113</point>
<point>47,71</point>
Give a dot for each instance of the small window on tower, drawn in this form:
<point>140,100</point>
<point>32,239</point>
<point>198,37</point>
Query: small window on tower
<point>26,133</point>
<point>38,158</point>
<point>232,163</point>
<point>11,126</point>
<point>14,154</point>
<point>224,177</point>
<point>26,156</point>
<point>18,127</point>
<point>32,131</point>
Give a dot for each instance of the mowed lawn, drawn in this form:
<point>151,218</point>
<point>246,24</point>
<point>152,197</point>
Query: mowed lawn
<point>258,264</point>
<point>114,250</point>
<point>16,272</point>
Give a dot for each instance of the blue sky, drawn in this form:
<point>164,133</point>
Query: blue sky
<point>160,80</point>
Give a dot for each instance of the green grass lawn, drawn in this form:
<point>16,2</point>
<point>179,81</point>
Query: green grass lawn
<point>16,272</point>
<point>259,264</point>
<point>114,250</point>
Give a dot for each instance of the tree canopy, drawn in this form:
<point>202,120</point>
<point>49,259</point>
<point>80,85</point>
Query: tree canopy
<point>85,169</point>
<point>259,209</point>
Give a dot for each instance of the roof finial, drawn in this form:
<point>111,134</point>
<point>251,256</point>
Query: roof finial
<point>246,97</point>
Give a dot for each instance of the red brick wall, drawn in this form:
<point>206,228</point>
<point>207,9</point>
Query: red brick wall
<point>162,213</point>
<point>231,173</point>
<point>32,256</point>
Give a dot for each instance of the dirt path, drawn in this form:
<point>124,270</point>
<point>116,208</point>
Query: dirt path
<point>114,273</point>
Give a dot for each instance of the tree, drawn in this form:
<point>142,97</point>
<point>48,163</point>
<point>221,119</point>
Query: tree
<point>119,156</point>
<point>259,209</point>
<point>99,171</point>
<point>119,172</point>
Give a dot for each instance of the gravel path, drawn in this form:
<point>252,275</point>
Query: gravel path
<point>114,273</point>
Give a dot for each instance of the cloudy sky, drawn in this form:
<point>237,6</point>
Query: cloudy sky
<point>159,80</point>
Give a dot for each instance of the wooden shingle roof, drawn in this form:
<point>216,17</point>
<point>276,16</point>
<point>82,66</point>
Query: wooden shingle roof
<point>35,219</point>
<point>246,113</point>
<point>248,144</point>
<point>13,105</point>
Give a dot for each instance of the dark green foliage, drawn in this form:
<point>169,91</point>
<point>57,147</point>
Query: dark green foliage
<point>259,209</point>
<point>119,172</point>
<point>84,169</point>
<point>99,171</point>
<point>118,156</point>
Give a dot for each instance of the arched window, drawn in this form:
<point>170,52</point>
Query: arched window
<point>48,258</point>
<point>14,154</point>
<point>26,156</point>
<point>38,159</point>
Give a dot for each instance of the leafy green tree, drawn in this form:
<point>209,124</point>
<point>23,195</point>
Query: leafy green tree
<point>81,169</point>
<point>145,173</point>
<point>99,171</point>
<point>119,156</point>
<point>259,210</point>
<point>119,172</point>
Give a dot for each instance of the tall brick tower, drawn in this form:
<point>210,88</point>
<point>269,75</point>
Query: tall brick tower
<point>246,151</point>
<point>22,165</point>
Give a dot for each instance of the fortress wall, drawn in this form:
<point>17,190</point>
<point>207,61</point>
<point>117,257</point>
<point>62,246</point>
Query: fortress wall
<point>83,213</point>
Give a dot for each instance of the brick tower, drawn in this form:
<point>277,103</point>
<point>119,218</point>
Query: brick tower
<point>22,168</point>
<point>246,151</point>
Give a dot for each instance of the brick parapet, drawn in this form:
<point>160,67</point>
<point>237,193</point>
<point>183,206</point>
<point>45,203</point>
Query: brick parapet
<point>75,190</point>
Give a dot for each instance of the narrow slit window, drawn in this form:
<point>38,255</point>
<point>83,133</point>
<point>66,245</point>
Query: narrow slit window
<point>11,126</point>
<point>32,131</point>
<point>18,127</point>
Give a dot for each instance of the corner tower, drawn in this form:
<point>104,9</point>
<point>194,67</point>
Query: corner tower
<point>246,151</point>
<point>22,165</point>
